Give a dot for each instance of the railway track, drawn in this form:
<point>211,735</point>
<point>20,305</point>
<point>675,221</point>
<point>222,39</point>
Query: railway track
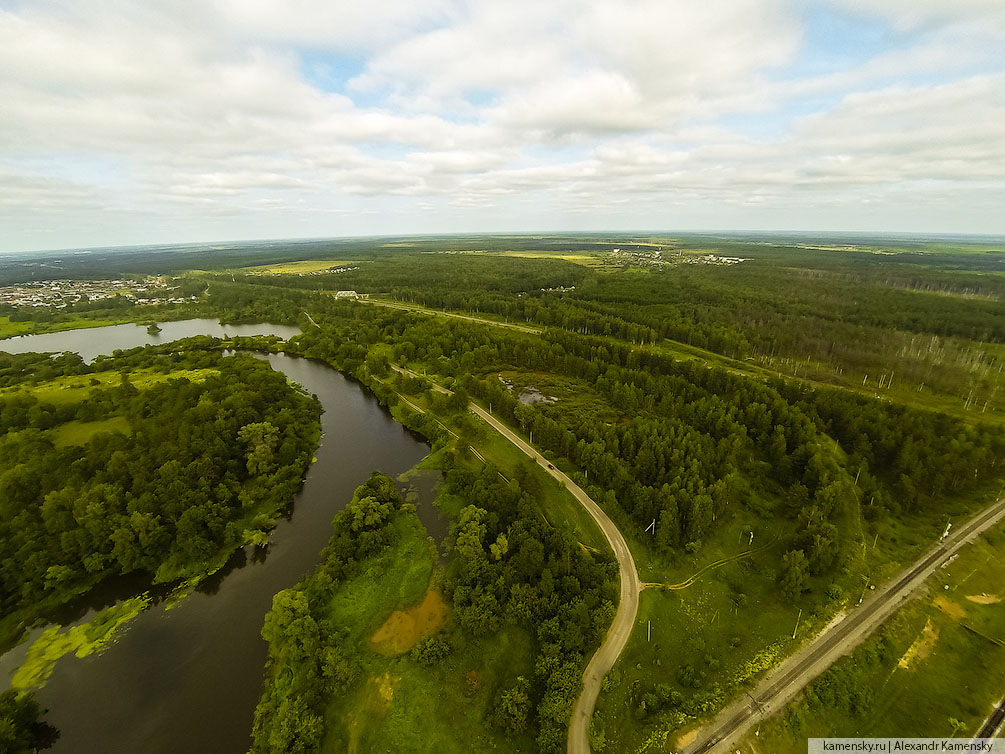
<point>795,674</point>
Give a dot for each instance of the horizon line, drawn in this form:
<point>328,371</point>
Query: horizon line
<point>520,234</point>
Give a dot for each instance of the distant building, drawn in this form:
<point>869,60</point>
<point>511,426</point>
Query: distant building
<point>347,294</point>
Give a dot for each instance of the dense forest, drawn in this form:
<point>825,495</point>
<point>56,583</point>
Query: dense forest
<point>846,318</point>
<point>150,460</point>
<point>678,445</point>
<point>508,566</point>
<point>685,439</point>
<point>683,397</point>
<point>512,566</point>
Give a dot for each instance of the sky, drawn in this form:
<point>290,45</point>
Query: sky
<point>133,121</point>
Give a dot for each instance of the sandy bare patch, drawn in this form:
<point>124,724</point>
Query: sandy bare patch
<point>404,628</point>
<point>984,599</point>
<point>950,608</point>
<point>922,646</point>
<point>686,739</point>
<point>385,688</point>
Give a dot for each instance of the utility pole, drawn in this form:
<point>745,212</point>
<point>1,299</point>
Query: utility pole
<point>652,526</point>
<point>796,627</point>
<point>649,630</point>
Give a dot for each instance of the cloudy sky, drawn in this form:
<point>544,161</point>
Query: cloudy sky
<point>133,121</point>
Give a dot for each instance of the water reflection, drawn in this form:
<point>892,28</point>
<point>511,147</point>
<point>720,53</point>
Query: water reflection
<point>189,678</point>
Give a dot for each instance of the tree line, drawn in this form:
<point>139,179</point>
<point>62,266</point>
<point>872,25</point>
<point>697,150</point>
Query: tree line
<point>203,463</point>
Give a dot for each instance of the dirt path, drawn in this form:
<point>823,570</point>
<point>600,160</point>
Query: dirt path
<point>710,567</point>
<point>420,410</point>
<point>628,606</point>
<point>839,638</point>
<point>435,313</point>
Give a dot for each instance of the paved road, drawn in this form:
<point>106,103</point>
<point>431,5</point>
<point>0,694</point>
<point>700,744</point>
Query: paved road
<point>628,606</point>
<point>793,675</point>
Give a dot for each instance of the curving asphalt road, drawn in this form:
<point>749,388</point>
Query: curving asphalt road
<point>628,606</point>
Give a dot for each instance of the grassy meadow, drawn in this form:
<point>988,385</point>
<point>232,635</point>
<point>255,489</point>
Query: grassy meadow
<point>399,705</point>
<point>925,672</point>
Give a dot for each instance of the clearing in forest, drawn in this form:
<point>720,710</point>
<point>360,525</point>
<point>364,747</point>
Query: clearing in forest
<point>404,628</point>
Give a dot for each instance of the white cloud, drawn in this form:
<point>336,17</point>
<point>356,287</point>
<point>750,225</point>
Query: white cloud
<point>567,67</point>
<point>202,114</point>
<point>331,24</point>
<point>927,15</point>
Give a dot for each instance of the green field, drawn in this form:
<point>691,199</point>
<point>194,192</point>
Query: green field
<point>399,576</point>
<point>731,625</point>
<point>9,329</point>
<point>296,268</point>
<point>927,668</point>
<point>79,433</point>
<point>593,259</point>
<point>74,389</point>
<point>398,705</point>
<point>701,641</point>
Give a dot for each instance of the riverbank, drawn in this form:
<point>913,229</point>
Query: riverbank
<point>201,661</point>
<point>83,320</point>
<point>139,486</point>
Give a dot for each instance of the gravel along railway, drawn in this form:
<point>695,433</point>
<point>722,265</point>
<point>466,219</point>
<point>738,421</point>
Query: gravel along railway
<point>794,674</point>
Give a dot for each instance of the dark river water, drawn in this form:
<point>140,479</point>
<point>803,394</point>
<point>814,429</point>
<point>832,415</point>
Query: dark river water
<point>188,679</point>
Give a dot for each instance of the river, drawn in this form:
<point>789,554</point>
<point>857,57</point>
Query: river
<point>188,679</point>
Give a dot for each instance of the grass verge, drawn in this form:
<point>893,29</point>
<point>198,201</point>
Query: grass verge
<point>924,673</point>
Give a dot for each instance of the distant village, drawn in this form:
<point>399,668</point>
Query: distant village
<point>312,273</point>
<point>711,259</point>
<point>646,257</point>
<point>58,294</point>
